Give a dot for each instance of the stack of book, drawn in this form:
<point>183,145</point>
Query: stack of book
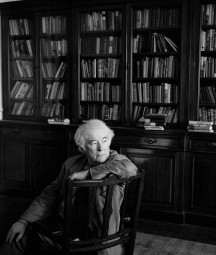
<point>155,121</point>
<point>59,121</point>
<point>200,126</point>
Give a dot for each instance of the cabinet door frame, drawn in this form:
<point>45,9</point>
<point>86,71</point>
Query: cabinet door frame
<point>195,211</point>
<point>156,209</point>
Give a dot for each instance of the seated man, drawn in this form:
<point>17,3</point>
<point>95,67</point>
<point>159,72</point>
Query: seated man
<point>97,160</point>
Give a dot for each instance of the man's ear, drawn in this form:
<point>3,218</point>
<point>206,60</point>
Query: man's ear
<point>81,149</point>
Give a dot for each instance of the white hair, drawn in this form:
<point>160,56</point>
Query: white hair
<point>88,128</point>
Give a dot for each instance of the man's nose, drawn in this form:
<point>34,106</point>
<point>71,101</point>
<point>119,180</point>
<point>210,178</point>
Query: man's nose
<point>100,146</point>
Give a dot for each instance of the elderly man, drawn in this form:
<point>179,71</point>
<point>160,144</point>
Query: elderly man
<point>93,139</point>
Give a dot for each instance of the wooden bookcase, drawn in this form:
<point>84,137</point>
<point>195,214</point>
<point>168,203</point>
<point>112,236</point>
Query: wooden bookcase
<point>179,165</point>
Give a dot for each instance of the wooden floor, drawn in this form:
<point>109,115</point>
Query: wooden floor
<point>148,244</point>
<point>179,231</point>
<point>11,209</point>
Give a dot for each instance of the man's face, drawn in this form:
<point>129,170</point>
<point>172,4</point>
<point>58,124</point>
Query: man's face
<point>97,147</point>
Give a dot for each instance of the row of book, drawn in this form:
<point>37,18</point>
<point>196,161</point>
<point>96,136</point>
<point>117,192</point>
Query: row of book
<point>153,42</point>
<point>207,67</point>
<point>101,45</point>
<point>100,68</point>
<point>140,111</point>
<point>54,25</point>
<point>23,108</point>
<point>104,112</point>
<point>54,91</point>
<point>200,126</point>
<point>155,93</point>
<point>155,67</point>
<point>21,48</point>
<point>100,91</point>
<point>208,40</point>
<point>53,48</point>
<point>19,26</point>
<point>22,68</point>
<point>22,90</point>
<point>156,17</point>
<point>208,14</point>
<point>103,20</point>
<point>208,94</point>
<point>51,109</point>
<point>54,69</point>
<point>207,114</point>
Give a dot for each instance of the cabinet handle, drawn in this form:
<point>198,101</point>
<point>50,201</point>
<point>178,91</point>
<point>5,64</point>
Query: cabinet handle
<point>212,145</point>
<point>150,140</point>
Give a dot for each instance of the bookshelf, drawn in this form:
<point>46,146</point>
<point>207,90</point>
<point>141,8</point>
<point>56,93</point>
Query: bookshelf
<point>21,72</point>
<point>100,58</point>
<point>54,65</point>
<point>207,71</point>
<point>116,63</point>
<point>156,62</point>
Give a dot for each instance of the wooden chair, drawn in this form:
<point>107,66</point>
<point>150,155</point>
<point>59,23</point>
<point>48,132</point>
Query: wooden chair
<point>129,215</point>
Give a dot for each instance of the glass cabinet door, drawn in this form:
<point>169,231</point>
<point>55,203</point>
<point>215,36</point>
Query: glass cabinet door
<point>53,66</point>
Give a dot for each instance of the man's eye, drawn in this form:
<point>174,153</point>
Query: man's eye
<point>104,140</point>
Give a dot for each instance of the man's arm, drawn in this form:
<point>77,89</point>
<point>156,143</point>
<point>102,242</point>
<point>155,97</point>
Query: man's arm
<point>117,164</point>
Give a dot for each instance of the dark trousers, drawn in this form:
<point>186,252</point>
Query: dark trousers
<point>30,244</point>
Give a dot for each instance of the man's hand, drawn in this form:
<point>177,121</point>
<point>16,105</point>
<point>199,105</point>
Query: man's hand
<point>18,230</point>
<point>79,175</point>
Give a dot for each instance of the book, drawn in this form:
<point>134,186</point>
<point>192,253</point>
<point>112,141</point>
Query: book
<point>203,127</point>
<point>59,121</point>
<point>154,127</point>
<point>195,122</point>
<point>201,130</point>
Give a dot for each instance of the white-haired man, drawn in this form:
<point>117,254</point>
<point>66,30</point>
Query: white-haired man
<point>93,139</point>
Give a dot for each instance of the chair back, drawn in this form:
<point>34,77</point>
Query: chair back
<point>129,213</point>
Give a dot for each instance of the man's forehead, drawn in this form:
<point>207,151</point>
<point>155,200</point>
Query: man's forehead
<point>97,135</point>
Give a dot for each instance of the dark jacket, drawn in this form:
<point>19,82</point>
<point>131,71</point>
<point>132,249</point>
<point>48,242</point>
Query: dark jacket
<point>51,199</point>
